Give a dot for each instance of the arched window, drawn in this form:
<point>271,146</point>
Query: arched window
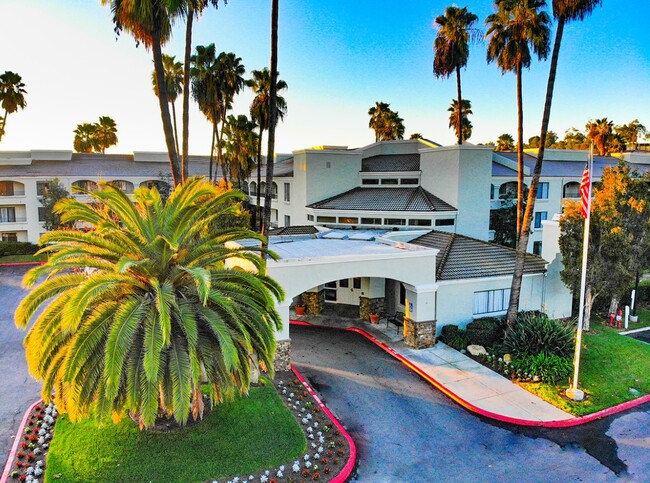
<point>244,187</point>
<point>161,185</point>
<point>85,184</point>
<point>11,188</point>
<point>125,186</point>
<point>262,188</point>
<point>253,189</point>
<point>571,190</point>
<point>509,187</point>
<point>274,191</point>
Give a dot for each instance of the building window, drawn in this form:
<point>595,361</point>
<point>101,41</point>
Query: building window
<point>123,185</point>
<point>274,191</point>
<point>371,221</point>
<point>6,188</point>
<point>395,221</point>
<point>509,187</point>
<point>9,237</point>
<point>330,291</point>
<point>537,248</point>
<point>390,181</point>
<point>345,283</point>
<point>445,222</point>
<point>7,214</point>
<point>491,301</point>
<point>419,222</point>
<point>542,191</point>
<point>86,185</point>
<point>287,220</point>
<point>348,220</point>
<point>41,213</point>
<point>539,217</point>
<point>326,219</point>
<point>310,217</point>
<point>571,190</point>
<point>287,192</point>
<point>370,181</point>
<point>492,190</point>
<point>402,294</point>
<point>409,181</point>
<point>253,188</point>
<point>41,187</point>
<point>356,283</point>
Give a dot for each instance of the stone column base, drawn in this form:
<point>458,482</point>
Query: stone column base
<point>419,335</point>
<point>369,306</point>
<point>282,357</point>
<point>314,302</point>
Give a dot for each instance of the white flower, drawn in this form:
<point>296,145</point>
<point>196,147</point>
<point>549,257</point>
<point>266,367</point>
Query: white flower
<point>264,478</point>
<point>37,450</point>
<point>317,455</point>
<point>42,432</point>
<point>320,449</point>
<point>302,410</point>
<point>321,440</point>
<point>308,464</point>
<point>310,430</point>
<point>291,395</point>
<point>316,424</point>
<point>45,445</point>
<point>306,457</point>
<point>282,468</point>
<point>41,440</point>
<point>296,467</point>
<point>310,436</point>
<point>279,474</point>
<point>39,463</point>
<point>309,416</point>
<point>313,445</point>
<point>29,479</point>
<point>29,471</point>
<point>267,472</point>
<point>251,477</point>
<point>38,471</point>
<point>305,420</point>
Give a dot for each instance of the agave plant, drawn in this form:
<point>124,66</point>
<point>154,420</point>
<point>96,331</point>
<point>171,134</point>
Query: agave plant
<point>160,311</point>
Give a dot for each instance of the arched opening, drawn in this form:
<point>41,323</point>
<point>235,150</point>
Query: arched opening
<point>571,190</point>
<point>509,188</point>
<point>157,183</point>
<point>252,190</point>
<point>85,184</point>
<point>125,186</point>
<point>244,187</point>
<point>12,188</point>
<point>274,191</point>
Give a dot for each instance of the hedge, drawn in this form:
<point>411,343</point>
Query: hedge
<point>17,248</point>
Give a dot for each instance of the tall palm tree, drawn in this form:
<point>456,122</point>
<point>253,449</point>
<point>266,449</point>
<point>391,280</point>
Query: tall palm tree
<point>517,27</point>
<point>161,307</point>
<point>377,115</point>
<point>12,96</point>
<point>150,23</point>
<point>465,123</point>
<point>564,11</point>
<point>240,144</point>
<point>174,80</point>
<point>505,142</point>
<point>105,133</point>
<point>259,109</point>
<point>451,49</point>
<point>273,115</point>
<point>599,132</point>
<point>385,122</point>
<point>84,138</point>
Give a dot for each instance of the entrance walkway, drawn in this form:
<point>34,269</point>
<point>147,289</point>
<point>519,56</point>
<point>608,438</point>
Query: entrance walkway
<point>457,373</point>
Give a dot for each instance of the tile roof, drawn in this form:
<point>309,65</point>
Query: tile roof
<point>462,257</point>
<point>391,162</point>
<point>384,199</point>
<point>294,230</point>
<point>281,169</point>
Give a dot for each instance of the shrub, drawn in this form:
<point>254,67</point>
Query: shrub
<point>486,331</point>
<point>17,248</point>
<point>454,337</point>
<point>537,334</point>
<point>551,369</point>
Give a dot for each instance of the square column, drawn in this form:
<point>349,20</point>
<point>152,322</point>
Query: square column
<point>420,319</point>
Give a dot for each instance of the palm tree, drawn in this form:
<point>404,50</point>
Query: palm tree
<point>240,143</point>
<point>105,133</point>
<point>416,135</point>
<point>12,96</point>
<point>161,307</point>
<point>516,27</point>
<point>451,49</point>
<point>377,115</point>
<point>505,142</point>
<point>259,109</point>
<point>150,23</point>
<point>385,122</point>
<point>84,138</point>
<point>599,132</point>
<point>273,115</point>
<point>465,123</point>
<point>564,11</point>
<point>174,80</point>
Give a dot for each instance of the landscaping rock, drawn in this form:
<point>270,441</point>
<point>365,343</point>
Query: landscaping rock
<point>476,350</point>
<point>635,392</point>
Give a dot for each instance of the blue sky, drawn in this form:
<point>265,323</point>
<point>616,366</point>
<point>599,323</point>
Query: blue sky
<point>338,59</point>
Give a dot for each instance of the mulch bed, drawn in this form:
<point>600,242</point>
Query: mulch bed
<point>328,451</point>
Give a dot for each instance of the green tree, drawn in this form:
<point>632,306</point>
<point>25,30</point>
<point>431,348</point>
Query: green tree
<point>12,96</point>
<point>631,133</point>
<point>616,143</point>
<point>51,196</point>
<point>451,51</point>
<point>533,142</point>
<point>518,29</point>
<point>574,139</point>
<point>505,142</point>
<point>105,133</point>
<point>84,138</point>
<point>240,143</point>
<point>385,122</point>
<point>95,137</point>
<point>465,123</point>
<point>174,80</point>
<point>260,82</point>
<point>599,132</point>
<point>161,308</point>
<point>416,135</point>
<point>503,220</point>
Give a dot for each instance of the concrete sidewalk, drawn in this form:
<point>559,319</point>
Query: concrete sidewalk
<point>457,373</point>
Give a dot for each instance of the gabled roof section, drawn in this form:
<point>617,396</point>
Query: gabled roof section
<point>281,169</point>
<point>462,257</point>
<point>384,199</point>
<point>391,162</point>
<point>294,230</point>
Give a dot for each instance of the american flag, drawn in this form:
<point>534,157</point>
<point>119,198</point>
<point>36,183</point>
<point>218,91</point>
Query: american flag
<point>584,191</point>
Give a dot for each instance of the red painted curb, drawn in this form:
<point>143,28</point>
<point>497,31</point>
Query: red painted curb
<point>14,448</point>
<point>563,423</point>
<point>20,264</point>
<point>349,466</point>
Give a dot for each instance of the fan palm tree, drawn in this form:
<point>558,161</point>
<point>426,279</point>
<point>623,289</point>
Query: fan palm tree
<point>161,306</point>
<point>12,96</point>
<point>505,142</point>
<point>517,27</point>
<point>451,49</point>
<point>385,122</point>
<point>377,118</point>
<point>465,123</point>
<point>564,11</point>
<point>259,109</point>
<point>174,80</point>
<point>84,138</point>
<point>599,132</point>
<point>240,143</point>
<point>105,133</point>
<point>150,23</point>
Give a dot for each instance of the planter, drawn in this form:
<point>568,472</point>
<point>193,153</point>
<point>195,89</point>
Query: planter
<point>300,309</point>
<point>374,318</point>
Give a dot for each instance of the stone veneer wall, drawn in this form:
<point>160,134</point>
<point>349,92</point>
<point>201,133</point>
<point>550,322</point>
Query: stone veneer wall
<point>314,302</point>
<point>419,335</point>
<point>370,306</point>
<point>282,356</point>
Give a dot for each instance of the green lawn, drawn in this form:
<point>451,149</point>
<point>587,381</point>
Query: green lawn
<point>611,364</point>
<point>23,258</point>
<point>237,438</point>
<point>644,319</point>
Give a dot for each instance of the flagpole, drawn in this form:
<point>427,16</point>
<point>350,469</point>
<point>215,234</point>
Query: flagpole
<point>573,392</point>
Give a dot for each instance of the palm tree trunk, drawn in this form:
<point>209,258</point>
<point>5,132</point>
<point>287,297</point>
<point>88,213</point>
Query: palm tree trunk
<point>214,129</point>
<point>176,131</point>
<point>186,90</point>
<point>4,123</point>
<point>174,163</point>
<point>273,92</point>
<point>520,152</point>
<point>258,206</point>
<point>523,237</point>
<point>220,153</point>
<point>459,129</point>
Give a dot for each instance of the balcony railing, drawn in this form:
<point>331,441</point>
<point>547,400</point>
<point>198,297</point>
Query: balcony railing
<point>17,219</point>
<point>15,192</point>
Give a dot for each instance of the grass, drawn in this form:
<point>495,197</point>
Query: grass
<point>644,319</point>
<point>23,258</point>
<point>611,364</point>
<point>240,437</point>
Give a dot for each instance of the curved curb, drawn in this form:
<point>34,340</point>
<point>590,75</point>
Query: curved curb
<point>14,448</point>
<point>20,264</point>
<point>563,423</point>
<point>349,466</point>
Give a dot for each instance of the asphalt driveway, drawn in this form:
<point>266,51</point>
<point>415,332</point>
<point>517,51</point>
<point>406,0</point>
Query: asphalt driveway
<point>407,431</point>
